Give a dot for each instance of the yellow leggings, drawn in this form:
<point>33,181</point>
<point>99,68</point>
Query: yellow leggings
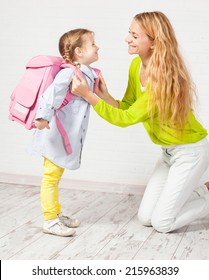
<point>49,190</point>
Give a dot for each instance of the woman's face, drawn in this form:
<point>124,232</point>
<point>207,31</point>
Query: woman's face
<point>138,41</point>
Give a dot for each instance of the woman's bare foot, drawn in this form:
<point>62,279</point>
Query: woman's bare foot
<point>207,185</point>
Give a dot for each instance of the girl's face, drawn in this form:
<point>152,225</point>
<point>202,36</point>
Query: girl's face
<point>89,50</point>
<point>138,41</point>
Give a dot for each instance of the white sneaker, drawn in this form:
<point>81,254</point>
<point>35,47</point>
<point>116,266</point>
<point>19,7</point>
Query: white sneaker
<point>68,222</point>
<point>56,227</point>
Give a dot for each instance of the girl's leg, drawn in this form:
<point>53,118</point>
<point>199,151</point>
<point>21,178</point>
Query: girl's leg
<point>49,190</point>
<point>152,192</point>
<point>174,208</point>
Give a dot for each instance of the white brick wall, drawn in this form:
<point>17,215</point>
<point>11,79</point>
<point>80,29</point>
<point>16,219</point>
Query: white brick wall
<point>111,154</point>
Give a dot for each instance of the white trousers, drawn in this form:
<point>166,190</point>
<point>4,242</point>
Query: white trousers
<point>172,197</point>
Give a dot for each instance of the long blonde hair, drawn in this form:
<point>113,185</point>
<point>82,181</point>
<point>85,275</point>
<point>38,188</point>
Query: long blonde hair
<point>69,41</point>
<point>171,88</point>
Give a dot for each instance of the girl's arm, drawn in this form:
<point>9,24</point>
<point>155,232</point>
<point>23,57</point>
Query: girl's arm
<point>54,95</point>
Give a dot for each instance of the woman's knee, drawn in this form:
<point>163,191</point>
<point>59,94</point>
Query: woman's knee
<point>155,219</point>
<point>162,225</point>
<point>144,218</point>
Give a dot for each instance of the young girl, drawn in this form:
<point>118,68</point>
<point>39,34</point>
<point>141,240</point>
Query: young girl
<point>78,48</point>
<point>160,94</point>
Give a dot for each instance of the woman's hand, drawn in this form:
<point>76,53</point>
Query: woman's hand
<point>79,87</point>
<point>103,93</point>
<point>41,124</point>
<point>101,90</point>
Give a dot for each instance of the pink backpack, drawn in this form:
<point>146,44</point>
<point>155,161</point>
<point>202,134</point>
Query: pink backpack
<point>40,73</point>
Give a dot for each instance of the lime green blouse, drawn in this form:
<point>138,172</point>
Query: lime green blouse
<point>133,109</point>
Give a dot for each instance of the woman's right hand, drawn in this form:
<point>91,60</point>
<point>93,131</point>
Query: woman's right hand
<point>101,90</point>
<point>41,124</point>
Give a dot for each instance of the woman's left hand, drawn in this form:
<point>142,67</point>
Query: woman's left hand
<point>79,87</point>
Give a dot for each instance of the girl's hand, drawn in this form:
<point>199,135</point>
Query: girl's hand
<point>41,124</point>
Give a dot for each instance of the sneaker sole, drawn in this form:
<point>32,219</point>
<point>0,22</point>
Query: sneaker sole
<point>62,235</point>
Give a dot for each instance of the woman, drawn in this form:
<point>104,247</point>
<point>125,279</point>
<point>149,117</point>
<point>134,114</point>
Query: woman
<point>160,95</point>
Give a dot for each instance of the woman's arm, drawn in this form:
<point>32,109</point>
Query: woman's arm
<point>136,113</point>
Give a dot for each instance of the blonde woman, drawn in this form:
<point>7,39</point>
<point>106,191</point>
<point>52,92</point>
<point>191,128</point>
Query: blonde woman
<point>160,95</point>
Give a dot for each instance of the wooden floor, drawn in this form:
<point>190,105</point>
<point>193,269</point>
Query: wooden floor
<point>109,229</point>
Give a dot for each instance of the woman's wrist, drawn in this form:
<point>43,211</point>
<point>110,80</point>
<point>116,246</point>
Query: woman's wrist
<point>106,97</point>
<point>110,100</point>
<point>91,98</point>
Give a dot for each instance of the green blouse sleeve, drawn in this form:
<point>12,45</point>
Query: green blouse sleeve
<point>136,113</point>
<point>130,95</point>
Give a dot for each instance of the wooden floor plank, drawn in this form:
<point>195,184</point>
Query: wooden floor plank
<point>126,243</point>
<point>48,245</point>
<point>27,230</point>
<point>17,201</point>
<point>15,219</point>
<point>195,242</point>
<point>159,246</point>
<point>109,229</point>
<point>20,238</point>
<point>100,233</point>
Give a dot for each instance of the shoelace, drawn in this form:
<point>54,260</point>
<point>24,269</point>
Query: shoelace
<point>62,226</point>
<point>66,217</point>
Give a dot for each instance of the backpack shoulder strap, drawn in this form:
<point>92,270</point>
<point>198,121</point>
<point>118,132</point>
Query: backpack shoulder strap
<point>97,71</point>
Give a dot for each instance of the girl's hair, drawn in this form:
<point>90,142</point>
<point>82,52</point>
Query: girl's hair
<point>171,88</point>
<point>69,41</point>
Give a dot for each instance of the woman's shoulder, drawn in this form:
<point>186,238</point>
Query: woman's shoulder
<point>135,64</point>
<point>136,61</point>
